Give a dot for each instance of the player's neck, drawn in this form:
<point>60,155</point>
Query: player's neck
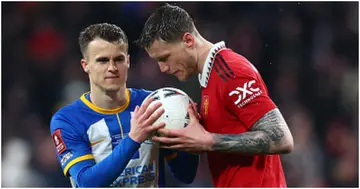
<point>108,100</point>
<point>204,47</point>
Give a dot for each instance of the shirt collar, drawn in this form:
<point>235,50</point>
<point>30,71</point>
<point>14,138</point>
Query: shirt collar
<point>205,74</point>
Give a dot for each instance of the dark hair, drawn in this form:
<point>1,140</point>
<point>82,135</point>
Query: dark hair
<point>168,23</point>
<point>105,31</point>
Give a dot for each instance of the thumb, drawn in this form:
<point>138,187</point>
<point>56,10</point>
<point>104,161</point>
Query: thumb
<point>136,111</point>
<point>192,114</point>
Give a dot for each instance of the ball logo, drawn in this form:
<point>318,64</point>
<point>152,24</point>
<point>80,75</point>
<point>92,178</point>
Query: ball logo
<point>244,92</point>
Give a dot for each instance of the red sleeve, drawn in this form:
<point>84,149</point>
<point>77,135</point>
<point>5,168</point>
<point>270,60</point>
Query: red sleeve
<point>247,97</point>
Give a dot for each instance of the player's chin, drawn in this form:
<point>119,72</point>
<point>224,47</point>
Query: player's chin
<point>183,77</point>
<point>112,87</point>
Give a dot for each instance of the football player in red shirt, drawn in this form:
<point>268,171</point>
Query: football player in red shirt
<point>242,129</point>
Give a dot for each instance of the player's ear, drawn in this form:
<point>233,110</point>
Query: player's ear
<point>189,40</point>
<point>128,61</point>
<point>84,65</point>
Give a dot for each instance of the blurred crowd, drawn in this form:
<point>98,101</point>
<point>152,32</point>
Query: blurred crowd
<point>306,52</point>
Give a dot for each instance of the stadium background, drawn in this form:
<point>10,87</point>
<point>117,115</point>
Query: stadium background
<point>306,52</point>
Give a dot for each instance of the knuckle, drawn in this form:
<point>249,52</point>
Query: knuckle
<point>159,113</point>
<point>147,111</point>
<point>153,108</point>
<point>154,117</point>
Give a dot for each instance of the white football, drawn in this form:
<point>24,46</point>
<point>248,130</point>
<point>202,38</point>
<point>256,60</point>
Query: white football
<point>175,102</point>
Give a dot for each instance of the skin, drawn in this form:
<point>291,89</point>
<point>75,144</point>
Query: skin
<point>107,65</point>
<point>180,58</point>
<point>186,57</point>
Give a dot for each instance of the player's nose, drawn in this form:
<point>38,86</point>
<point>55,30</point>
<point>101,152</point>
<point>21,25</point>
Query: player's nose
<point>112,66</point>
<point>163,67</point>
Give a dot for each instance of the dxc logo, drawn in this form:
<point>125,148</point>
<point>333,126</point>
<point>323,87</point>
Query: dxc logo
<point>246,90</point>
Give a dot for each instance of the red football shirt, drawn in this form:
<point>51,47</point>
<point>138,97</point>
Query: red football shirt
<point>234,97</point>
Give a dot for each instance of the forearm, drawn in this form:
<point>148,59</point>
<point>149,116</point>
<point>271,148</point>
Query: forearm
<point>106,171</point>
<point>253,142</point>
<point>269,135</point>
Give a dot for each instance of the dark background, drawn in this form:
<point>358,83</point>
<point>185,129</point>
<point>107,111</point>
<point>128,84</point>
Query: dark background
<point>306,52</point>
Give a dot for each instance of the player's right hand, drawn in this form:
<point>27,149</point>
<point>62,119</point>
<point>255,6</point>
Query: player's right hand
<point>143,119</point>
<point>194,107</point>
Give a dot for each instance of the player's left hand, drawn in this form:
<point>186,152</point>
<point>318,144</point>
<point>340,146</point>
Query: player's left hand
<point>193,138</point>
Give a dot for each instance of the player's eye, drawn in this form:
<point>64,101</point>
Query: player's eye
<point>119,59</point>
<point>163,59</point>
<point>102,60</point>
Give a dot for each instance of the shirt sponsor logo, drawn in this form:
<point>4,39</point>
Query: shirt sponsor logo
<point>138,175</point>
<point>65,158</point>
<point>246,93</point>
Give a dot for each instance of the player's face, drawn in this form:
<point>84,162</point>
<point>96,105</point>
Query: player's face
<point>174,58</point>
<point>107,64</point>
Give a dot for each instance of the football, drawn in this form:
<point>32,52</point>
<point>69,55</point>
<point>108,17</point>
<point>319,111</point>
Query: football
<point>175,103</point>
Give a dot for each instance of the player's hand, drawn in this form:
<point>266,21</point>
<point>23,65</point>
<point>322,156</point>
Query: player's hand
<point>194,106</point>
<point>193,138</point>
<point>143,119</point>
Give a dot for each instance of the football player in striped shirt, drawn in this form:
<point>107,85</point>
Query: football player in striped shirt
<point>101,138</point>
<point>241,128</point>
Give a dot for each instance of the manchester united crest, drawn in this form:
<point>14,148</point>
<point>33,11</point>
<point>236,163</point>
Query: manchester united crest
<point>205,105</point>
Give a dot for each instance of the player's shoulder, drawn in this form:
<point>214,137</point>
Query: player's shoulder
<point>233,65</point>
<point>66,116</point>
<point>137,96</point>
<point>66,111</point>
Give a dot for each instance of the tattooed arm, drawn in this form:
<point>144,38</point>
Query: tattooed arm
<point>269,135</point>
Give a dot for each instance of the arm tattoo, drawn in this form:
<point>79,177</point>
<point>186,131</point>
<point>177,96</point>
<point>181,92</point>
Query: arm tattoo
<point>265,135</point>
